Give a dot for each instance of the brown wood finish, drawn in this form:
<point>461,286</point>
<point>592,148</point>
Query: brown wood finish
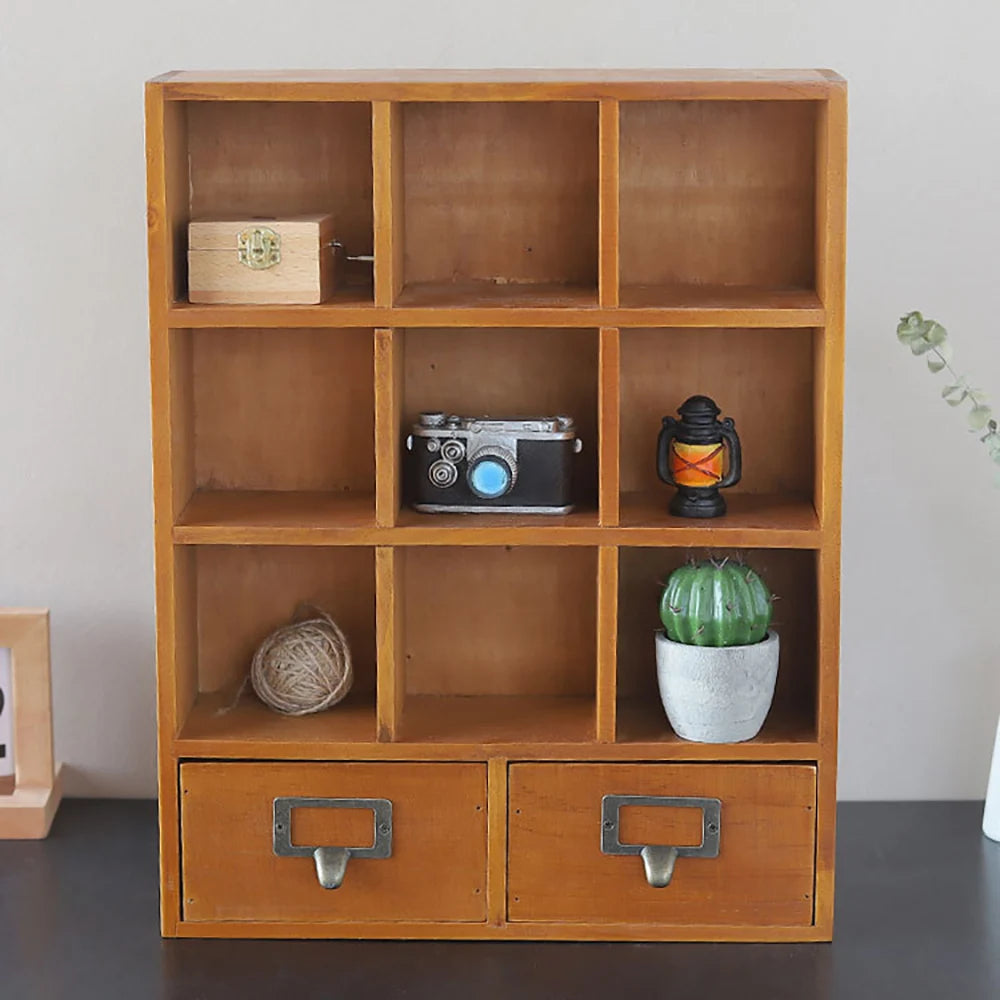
<point>438,826</point>
<point>763,875</point>
<point>688,239</point>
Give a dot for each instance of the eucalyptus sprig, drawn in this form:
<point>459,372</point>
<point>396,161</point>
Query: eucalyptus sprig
<point>929,338</point>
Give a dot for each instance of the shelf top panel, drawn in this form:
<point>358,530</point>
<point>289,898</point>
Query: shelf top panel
<point>499,84</point>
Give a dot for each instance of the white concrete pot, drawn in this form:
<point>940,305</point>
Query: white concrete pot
<point>717,694</point>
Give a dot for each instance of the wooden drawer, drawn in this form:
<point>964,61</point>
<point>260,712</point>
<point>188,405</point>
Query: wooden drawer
<point>437,867</point>
<point>763,874</point>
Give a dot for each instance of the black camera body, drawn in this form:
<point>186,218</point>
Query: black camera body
<point>470,465</point>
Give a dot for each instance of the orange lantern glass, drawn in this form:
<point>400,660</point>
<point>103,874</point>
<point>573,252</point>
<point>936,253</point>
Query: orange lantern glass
<point>700,455</point>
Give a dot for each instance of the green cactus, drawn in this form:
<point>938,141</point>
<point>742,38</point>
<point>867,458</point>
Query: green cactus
<point>716,604</point>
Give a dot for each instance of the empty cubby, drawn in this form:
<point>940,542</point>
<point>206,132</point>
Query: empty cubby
<point>500,199</point>
<point>716,193</point>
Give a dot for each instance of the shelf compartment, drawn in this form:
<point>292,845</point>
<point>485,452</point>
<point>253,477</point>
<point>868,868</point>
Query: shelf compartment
<point>274,411</point>
<point>764,379</point>
<point>505,373</point>
<point>237,595</point>
<point>513,660</point>
<point>790,729</point>
<point>501,198</point>
<point>279,159</point>
<point>717,193</point>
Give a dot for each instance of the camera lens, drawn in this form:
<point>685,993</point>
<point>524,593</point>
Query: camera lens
<point>492,474</point>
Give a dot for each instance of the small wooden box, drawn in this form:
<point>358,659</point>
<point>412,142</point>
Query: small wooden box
<point>261,261</point>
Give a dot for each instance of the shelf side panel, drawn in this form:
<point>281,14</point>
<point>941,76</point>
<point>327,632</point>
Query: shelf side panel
<point>609,464</point>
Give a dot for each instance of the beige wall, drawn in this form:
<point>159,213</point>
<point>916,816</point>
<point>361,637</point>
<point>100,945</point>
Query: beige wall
<point>921,627</point>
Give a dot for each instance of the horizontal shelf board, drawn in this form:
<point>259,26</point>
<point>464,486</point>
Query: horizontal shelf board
<point>465,85</point>
<point>487,295</point>
<point>642,722</point>
<point>436,306</point>
<point>437,728</point>
<point>732,305</point>
<point>763,521</point>
<point>238,517</point>
<point>249,723</point>
<point>497,719</point>
<point>260,517</point>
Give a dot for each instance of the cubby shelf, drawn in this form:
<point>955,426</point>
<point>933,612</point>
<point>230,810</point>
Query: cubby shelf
<point>241,517</point>
<point>663,307</point>
<point>597,245</point>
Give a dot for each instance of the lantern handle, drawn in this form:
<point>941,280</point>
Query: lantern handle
<point>667,434</point>
<point>730,437</point>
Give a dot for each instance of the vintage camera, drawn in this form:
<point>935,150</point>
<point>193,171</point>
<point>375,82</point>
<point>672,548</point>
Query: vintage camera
<point>469,465</point>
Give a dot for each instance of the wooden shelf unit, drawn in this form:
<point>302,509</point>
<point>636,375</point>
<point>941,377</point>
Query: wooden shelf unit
<point>601,244</point>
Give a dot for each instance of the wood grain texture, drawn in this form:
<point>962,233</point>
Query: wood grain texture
<point>501,193</point>
<point>763,875</point>
<point>390,597</point>
<point>389,347</point>
<point>387,151</point>
<point>609,179</point>
<point>276,517</point>
<point>718,193</point>
<point>609,403</point>
<point>763,379</point>
<point>506,639</point>
<point>465,304</point>
<point>508,373</point>
<point>496,875</point>
<point>288,410</point>
<point>244,593</point>
<point>438,823</point>
<point>305,273</point>
<point>607,643</point>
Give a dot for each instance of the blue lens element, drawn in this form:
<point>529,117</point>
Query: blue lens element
<point>490,478</point>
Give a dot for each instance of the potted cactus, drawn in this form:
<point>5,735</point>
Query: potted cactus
<point>717,659</point>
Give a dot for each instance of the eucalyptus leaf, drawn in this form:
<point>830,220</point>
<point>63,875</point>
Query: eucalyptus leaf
<point>936,333</point>
<point>935,362</point>
<point>955,391</point>
<point>979,416</point>
<point>957,400</point>
<point>920,346</point>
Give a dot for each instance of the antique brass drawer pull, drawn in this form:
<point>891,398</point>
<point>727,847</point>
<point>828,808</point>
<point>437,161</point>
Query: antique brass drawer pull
<point>658,860</point>
<point>331,862</point>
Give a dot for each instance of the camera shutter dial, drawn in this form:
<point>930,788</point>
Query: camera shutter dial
<point>442,474</point>
<point>453,450</point>
<point>492,473</point>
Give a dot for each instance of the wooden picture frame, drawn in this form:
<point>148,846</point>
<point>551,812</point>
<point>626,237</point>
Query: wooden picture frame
<point>27,812</point>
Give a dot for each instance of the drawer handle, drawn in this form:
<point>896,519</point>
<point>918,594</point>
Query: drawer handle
<point>331,862</point>
<point>658,860</point>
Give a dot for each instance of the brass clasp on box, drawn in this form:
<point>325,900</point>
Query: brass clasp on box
<point>331,862</point>
<point>658,860</point>
<point>259,248</point>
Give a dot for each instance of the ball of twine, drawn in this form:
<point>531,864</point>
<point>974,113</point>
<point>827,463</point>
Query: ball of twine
<point>303,667</point>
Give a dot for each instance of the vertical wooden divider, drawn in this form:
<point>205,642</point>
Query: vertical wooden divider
<point>387,194</point>
<point>608,271</point>
<point>607,643</point>
<point>496,819</point>
<point>390,650</point>
<point>609,433</point>
<point>389,348</point>
<point>831,224</point>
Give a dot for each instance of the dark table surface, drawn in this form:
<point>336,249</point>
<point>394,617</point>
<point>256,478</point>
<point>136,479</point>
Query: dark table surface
<point>918,915</point>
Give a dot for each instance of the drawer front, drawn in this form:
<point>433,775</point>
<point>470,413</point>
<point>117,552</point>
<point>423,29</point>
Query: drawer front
<point>436,869</point>
<point>762,874</point>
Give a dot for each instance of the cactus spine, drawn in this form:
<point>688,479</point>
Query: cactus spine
<point>716,604</point>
